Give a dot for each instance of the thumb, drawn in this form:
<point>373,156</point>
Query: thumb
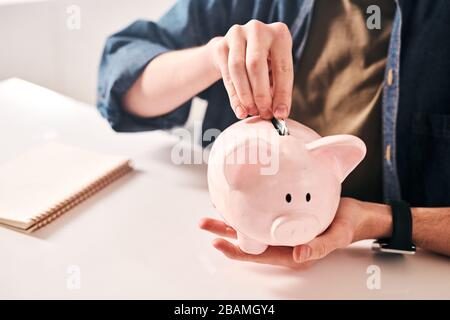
<point>316,249</point>
<point>321,246</point>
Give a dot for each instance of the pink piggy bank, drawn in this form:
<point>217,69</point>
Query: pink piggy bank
<point>279,189</point>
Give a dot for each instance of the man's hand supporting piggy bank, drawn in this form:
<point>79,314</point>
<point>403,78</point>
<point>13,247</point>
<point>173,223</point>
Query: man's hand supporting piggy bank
<point>278,190</point>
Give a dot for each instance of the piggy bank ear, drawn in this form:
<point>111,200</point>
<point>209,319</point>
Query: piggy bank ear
<point>246,162</point>
<point>345,152</point>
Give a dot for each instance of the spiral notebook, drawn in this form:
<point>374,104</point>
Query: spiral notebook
<point>48,180</point>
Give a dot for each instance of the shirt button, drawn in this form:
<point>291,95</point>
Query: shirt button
<point>390,77</point>
<point>387,154</point>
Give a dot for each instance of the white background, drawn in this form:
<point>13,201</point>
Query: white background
<point>36,44</point>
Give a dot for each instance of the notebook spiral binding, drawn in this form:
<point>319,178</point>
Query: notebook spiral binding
<point>64,206</point>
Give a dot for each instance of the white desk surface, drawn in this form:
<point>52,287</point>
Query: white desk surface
<point>139,238</point>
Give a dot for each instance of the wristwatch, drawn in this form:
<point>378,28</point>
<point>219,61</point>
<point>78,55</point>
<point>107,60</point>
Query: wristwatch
<point>401,239</point>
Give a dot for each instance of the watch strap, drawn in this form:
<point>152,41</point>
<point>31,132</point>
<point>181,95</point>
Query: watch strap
<point>402,226</point>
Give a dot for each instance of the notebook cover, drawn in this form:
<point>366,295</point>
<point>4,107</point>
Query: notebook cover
<point>48,180</point>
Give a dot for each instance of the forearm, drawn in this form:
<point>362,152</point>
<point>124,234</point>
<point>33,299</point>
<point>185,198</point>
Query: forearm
<point>431,226</point>
<point>170,80</point>
<point>431,229</point>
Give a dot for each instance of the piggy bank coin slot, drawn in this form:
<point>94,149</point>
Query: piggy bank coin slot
<point>280,126</point>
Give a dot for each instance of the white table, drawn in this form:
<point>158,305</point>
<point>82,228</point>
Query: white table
<point>139,238</point>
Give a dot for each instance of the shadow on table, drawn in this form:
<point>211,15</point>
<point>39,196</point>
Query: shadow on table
<point>65,219</point>
<point>345,273</point>
<point>342,273</point>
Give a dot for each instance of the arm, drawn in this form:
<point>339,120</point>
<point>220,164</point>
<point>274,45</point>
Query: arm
<point>129,52</point>
<point>431,226</point>
<point>431,229</point>
<point>170,80</point>
<point>148,74</point>
<point>355,220</point>
<point>245,58</point>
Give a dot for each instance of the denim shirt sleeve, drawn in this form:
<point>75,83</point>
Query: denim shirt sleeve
<point>187,24</point>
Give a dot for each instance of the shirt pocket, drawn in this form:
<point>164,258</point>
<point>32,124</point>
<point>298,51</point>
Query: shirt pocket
<point>430,159</point>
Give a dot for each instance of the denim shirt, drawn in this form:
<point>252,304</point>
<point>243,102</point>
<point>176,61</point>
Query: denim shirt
<point>416,93</point>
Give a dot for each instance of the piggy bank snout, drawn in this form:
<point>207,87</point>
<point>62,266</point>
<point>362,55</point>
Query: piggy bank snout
<point>292,231</point>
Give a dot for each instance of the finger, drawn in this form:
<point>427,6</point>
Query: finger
<point>277,256</point>
<point>258,46</point>
<point>236,65</point>
<point>230,250</point>
<point>333,238</point>
<point>217,227</point>
<point>282,71</point>
<point>235,103</point>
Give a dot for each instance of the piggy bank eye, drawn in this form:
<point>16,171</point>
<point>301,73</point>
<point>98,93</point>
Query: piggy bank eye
<point>308,197</point>
<point>288,198</point>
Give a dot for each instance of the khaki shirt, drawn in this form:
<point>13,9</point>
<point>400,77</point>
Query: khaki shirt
<point>339,81</point>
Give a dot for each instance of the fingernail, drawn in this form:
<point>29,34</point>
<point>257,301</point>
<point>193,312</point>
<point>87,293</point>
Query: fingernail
<point>253,110</point>
<point>281,111</point>
<point>215,243</point>
<point>240,112</point>
<point>305,253</point>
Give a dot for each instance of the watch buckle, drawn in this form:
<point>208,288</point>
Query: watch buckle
<point>381,246</point>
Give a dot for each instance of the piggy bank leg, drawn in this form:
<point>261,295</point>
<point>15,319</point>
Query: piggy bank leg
<point>250,246</point>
